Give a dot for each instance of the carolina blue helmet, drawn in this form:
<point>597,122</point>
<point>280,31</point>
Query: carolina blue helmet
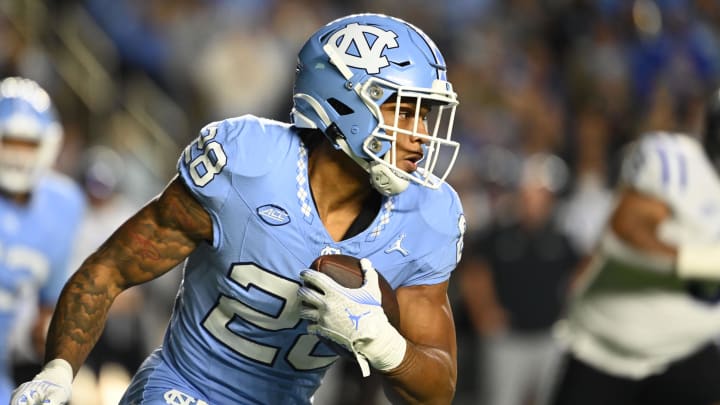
<point>349,68</point>
<point>26,114</point>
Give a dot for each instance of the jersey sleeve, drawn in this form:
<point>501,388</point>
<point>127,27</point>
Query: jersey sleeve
<point>656,165</point>
<point>224,156</point>
<point>203,168</point>
<point>445,249</point>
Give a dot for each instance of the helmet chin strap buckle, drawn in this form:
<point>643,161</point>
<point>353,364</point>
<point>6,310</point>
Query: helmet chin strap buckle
<point>385,181</point>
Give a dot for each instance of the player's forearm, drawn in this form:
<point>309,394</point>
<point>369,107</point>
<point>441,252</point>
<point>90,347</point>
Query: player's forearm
<point>146,246</point>
<point>425,376</point>
<point>79,317</point>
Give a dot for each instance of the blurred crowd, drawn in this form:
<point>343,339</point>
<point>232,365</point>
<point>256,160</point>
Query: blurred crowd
<point>568,82</point>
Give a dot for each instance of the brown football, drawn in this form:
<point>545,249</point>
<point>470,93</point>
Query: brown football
<point>346,271</point>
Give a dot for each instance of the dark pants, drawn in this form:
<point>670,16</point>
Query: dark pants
<point>694,380</point>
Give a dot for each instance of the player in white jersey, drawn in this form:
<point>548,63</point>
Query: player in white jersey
<point>641,329</point>
<point>359,171</point>
<point>40,212</point>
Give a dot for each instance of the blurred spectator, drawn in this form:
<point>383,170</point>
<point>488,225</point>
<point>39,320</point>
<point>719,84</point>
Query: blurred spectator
<point>244,71</point>
<point>589,200</point>
<point>514,278</point>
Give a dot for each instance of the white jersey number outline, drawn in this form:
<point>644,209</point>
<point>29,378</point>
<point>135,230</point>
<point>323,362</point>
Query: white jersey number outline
<point>17,258</point>
<point>246,275</point>
<point>210,162</point>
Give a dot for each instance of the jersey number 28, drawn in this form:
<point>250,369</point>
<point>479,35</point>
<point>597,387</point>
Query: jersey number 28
<point>250,276</point>
<point>209,162</point>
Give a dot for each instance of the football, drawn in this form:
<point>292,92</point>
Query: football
<point>346,271</point>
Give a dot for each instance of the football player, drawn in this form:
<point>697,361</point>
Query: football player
<point>40,211</point>
<point>359,171</point>
<point>642,328</point>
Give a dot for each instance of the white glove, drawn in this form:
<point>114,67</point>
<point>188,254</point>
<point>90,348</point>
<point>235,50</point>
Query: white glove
<point>51,386</point>
<point>353,318</point>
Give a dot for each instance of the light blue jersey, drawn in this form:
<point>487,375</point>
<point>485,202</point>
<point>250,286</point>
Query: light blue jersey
<point>35,245</point>
<point>235,336</point>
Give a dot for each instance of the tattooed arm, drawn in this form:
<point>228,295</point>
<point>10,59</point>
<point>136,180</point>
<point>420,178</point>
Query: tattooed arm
<point>146,246</point>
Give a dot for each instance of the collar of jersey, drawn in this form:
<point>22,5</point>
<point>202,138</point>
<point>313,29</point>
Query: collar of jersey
<point>306,205</point>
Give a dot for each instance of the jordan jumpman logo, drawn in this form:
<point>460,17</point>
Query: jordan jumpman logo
<point>396,246</point>
<point>355,319</point>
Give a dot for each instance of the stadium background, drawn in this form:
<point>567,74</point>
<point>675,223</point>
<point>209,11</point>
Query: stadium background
<point>571,78</point>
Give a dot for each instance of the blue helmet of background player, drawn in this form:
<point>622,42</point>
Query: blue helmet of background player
<point>349,68</point>
<point>27,117</point>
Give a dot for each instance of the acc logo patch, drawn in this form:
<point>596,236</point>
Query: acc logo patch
<point>362,46</point>
<point>273,215</point>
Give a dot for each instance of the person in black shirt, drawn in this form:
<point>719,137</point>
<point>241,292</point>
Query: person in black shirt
<point>515,275</point>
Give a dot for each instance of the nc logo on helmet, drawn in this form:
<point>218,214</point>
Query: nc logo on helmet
<point>355,50</point>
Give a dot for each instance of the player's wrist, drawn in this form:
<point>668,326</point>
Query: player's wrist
<point>52,385</point>
<point>386,351</point>
<point>58,371</point>
<point>698,262</point>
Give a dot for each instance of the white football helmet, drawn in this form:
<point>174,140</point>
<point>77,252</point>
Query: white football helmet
<point>349,68</point>
<point>26,114</point>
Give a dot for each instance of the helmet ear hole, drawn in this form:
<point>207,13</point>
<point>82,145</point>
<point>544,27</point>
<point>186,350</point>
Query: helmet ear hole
<point>340,107</point>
